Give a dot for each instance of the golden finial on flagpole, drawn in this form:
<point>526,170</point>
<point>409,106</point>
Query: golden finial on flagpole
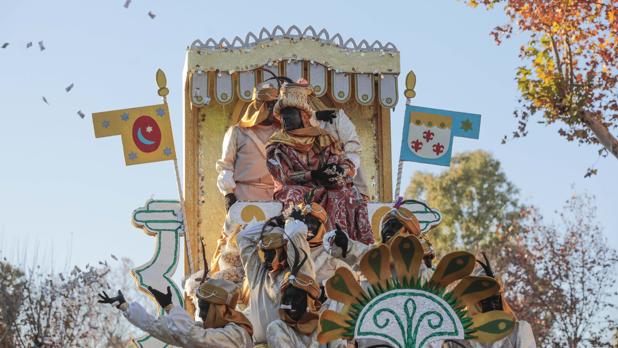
<point>410,84</point>
<point>162,83</point>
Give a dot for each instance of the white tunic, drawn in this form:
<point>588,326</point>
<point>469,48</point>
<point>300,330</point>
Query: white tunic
<point>177,328</point>
<point>265,287</point>
<point>242,166</point>
<point>344,130</point>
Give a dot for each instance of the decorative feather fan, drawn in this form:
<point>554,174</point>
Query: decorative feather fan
<point>401,309</point>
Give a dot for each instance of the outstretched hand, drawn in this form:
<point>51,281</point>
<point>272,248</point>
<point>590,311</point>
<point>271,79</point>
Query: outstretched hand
<point>163,300</point>
<point>104,298</point>
<point>341,240</point>
<point>326,115</point>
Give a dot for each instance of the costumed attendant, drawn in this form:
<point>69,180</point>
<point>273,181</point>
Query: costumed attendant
<point>242,167</point>
<point>242,172</point>
<point>303,157</point>
<point>299,305</point>
<point>521,336</point>
<point>337,123</point>
<point>264,275</point>
<point>398,221</point>
<point>221,325</point>
<point>315,217</point>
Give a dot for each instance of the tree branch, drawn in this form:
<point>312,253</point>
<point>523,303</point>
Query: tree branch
<point>601,132</point>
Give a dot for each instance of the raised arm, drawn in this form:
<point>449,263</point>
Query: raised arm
<point>178,329</point>
<point>296,232</point>
<point>339,245</point>
<point>169,328</point>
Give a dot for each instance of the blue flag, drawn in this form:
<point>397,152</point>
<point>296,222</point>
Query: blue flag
<point>428,133</point>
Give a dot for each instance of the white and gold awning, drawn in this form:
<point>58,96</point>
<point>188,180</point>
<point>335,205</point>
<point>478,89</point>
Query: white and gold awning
<point>345,69</point>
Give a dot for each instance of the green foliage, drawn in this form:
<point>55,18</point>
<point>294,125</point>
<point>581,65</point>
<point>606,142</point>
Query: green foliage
<point>475,198</point>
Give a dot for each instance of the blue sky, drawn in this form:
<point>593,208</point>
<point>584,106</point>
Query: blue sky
<point>69,194</point>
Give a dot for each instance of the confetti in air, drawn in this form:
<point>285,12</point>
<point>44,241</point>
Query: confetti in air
<point>45,100</point>
<point>5,45</point>
<point>127,3</point>
<point>41,46</point>
<point>69,87</point>
<point>81,114</point>
<point>151,14</point>
<point>29,44</point>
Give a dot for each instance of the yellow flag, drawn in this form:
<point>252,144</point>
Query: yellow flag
<point>146,132</point>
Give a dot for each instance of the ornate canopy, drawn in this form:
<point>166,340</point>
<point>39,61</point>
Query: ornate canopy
<point>344,68</point>
<point>219,77</point>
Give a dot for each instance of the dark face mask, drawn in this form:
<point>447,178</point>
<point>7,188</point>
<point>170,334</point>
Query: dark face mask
<point>313,225</point>
<point>271,118</point>
<point>291,119</point>
<point>297,300</point>
<point>269,257</point>
<point>204,306</point>
<point>493,303</point>
<point>390,228</point>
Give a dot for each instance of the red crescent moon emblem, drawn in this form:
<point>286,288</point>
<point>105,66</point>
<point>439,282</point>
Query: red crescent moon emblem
<point>146,134</point>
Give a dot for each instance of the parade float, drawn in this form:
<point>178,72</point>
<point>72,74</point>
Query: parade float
<point>359,77</point>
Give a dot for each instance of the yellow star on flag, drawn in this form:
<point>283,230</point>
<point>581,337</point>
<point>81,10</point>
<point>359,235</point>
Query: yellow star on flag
<point>146,132</point>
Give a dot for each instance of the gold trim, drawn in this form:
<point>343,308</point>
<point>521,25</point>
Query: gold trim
<point>328,55</point>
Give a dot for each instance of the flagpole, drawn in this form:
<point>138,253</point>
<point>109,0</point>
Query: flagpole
<point>398,187</point>
<point>163,92</point>
<point>409,93</point>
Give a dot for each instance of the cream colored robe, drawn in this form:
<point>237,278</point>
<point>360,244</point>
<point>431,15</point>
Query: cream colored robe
<point>344,130</point>
<point>265,287</point>
<point>177,328</point>
<point>242,166</point>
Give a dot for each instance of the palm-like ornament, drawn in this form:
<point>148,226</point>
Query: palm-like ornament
<point>407,311</point>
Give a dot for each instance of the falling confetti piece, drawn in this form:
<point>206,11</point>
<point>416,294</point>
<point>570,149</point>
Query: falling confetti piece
<point>114,257</point>
<point>4,45</point>
<point>29,44</point>
<point>151,14</point>
<point>41,46</point>
<point>69,87</point>
<point>127,3</point>
<point>81,114</point>
<point>45,100</point>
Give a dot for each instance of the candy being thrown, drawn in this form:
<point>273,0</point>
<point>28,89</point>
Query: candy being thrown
<point>29,44</point>
<point>5,45</point>
<point>41,46</point>
<point>69,87</point>
<point>45,100</point>
<point>151,14</point>
<point>81,114</point>
<point>127,3</point>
